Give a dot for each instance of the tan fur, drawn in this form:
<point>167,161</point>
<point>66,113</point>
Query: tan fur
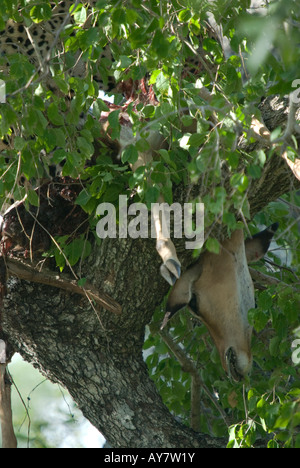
<point>225,293</point>
<point>219,291</point>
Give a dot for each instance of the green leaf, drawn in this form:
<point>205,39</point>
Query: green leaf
<point>273,444</point>
<point>83,198</point>
<point>7,118</point>
<point>285,416</point>
<point>274,346</point>
<point>233,158</point>
<point>41,12</point>
<point>152,195</point>
<point>167,193</point>
<point>137,38</point>
<point>162,83</point>
<point>258,319</point>
<point>275,134</point>
<point>85,147</point>
<point>233,82</point>
<point>184,15</point>
<point>261,156</point>
<point>239,181</point>
<point>74,251</point>
<point>59,156</point>
<point>60,259</point>
<point>229,220</point>
<point>131,15</point>
<point>33,198</point>
<point>213,245</point>
<point>187,120</point>
<point>148,111</point>
<point>166,157</point>
<point>114,123</point>
<point>99,106</point>
<point>265,300</point>
<point>291,154</point>
<point>61,84</point>
<point>142,145</point>
<point>254,171</point>
<point>54,115</point>
<point>88,37</point>
<point>129,154</point>
<point>80,15</point>
<point>119,16</point>
<point>154,75</point>
<point>19,143</point>
<point>160,44</point>
<point>196,139</point>
<point>82,282</point>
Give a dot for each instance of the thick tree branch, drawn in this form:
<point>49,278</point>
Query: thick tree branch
<point>28,272</point>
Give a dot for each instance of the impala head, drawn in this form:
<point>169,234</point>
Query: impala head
<point>219,290</point>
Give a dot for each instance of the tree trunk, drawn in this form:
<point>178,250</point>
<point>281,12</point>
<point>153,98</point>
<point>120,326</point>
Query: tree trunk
<point>96,354</point>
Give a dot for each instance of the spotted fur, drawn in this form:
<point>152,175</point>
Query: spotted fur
<point>39,43</point>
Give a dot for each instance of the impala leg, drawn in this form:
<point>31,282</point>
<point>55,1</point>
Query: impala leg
<point>171,267</point>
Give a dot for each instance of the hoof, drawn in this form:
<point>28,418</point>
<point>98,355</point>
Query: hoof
<point>170,271</point>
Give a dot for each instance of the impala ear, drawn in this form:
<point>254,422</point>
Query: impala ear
<point>257,247</point>
<point>181,293</point>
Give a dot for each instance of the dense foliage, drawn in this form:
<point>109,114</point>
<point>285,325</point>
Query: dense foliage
<point>160,39</point>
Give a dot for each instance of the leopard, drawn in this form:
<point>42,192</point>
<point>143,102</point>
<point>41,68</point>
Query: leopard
<point>40,43</point>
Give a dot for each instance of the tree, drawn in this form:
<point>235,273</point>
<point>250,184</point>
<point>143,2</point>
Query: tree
<point>231,141</point>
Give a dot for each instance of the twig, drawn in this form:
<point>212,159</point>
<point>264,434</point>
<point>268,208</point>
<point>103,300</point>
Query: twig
<point>60,29</point>
<point>266,279</point>
<point>27,414</point>
<point>283,267</point>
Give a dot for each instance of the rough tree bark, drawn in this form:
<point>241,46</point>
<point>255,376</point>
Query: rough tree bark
<point>96,354</point>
